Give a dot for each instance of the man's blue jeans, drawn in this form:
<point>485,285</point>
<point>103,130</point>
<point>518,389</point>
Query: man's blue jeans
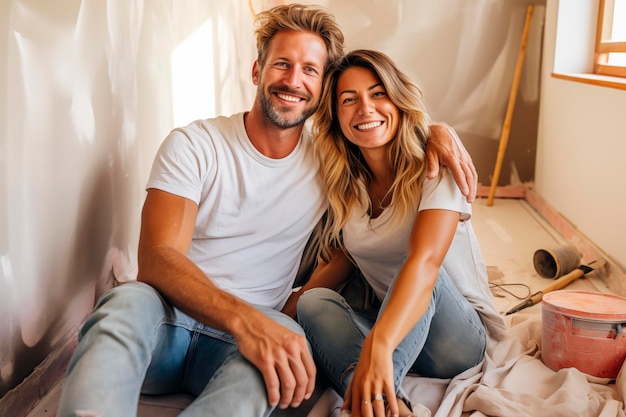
<point>447,340</point>
<point>134,342</point>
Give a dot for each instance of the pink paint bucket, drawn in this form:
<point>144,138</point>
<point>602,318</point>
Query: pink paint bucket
<point>584,330</point>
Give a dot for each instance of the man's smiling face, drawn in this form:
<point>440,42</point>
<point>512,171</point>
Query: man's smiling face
<point>290,82</point>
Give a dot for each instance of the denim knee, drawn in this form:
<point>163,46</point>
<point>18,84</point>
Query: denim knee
<point>132,295</point>
<point>309,302</point>
<point>133,305</point>
<point>283,319</point>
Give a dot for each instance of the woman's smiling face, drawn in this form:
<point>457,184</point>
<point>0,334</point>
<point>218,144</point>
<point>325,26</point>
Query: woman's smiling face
<point>367,116</point>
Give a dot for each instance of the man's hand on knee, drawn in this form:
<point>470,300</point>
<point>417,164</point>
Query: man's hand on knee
<point>284,359</point>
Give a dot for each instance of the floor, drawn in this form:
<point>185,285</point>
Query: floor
<point>509,232</point>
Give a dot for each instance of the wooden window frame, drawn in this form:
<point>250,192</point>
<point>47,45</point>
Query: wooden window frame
<point>604,47</point>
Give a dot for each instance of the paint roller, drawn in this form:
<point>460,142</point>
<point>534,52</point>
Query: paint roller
<point>560,264</point>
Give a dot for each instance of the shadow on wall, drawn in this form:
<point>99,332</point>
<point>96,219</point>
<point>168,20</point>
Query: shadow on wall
<point>91,244</point>
<point>518,166</point>
<point>90,92</point>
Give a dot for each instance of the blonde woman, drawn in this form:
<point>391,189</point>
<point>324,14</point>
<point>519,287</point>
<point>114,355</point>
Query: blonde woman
<point>411,237</point>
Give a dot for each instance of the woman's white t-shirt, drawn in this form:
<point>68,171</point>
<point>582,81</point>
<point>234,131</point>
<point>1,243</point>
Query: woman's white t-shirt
<point>380,248</point>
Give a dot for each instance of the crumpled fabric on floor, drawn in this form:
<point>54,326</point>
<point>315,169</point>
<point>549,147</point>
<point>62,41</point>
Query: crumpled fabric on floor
<point>511,381</point>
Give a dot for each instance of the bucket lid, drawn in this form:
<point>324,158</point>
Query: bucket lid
<point>586,304</point>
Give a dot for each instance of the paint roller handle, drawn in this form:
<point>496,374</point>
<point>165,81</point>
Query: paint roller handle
<point>526,303</point>
<point>559,283</point>
<point>529,302</point>
<point>565,280</point>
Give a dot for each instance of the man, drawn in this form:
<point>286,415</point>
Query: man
<point>231,203</point>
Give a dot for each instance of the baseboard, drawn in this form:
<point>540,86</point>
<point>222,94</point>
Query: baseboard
<point>611,274</point>
<point>507,191</point>
<point>23,398</point>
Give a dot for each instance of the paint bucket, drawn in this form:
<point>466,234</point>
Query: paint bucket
<point>584,330</point>
<point>556,262</point>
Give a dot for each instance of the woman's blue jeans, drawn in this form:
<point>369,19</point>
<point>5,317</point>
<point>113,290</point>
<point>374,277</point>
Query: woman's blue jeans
<point>134,342</point>
<point>447,340</point>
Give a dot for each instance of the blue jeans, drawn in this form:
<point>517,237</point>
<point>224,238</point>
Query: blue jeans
<point>135,342</point>
<point>448,339</point>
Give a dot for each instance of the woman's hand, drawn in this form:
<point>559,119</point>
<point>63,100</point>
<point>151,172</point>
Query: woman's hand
<point>372,382</point>
<point>327,275</point>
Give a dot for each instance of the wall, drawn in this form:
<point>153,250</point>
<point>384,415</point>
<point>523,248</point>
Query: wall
<point>90,94</point>
<point>90,88</point>
<point>580,168</point>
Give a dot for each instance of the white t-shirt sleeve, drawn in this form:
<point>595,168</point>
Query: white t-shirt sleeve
<point>443,193</point>
<point>179,167</point>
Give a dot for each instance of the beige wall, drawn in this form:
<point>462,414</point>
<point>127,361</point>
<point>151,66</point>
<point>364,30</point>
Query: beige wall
<point>580,166</point>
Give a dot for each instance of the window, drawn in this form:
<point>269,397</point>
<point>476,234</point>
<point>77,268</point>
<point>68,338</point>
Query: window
<point>610,57</point>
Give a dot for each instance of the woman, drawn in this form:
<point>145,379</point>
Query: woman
<point>410,237</point>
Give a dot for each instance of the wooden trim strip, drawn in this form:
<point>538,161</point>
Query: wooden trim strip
<point>611,46</point>
<point>23,398</point>
<point>593,79</point>
<point>506,191</point>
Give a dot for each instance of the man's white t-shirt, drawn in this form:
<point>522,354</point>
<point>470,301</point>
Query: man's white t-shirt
<point>380,249</point>
<point>255,214</point>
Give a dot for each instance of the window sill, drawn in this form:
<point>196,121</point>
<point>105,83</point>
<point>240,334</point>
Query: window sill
<point>594,79</point>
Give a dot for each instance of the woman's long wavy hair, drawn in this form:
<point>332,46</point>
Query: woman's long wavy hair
<point>345,173</point>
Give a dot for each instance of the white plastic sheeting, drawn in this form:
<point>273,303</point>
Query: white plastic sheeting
<point>89,88</point>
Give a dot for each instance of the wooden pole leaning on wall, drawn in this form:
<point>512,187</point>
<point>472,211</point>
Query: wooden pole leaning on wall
<point>506,127</point>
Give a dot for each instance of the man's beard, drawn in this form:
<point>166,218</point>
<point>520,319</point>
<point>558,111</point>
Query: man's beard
<point>283,119</point>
